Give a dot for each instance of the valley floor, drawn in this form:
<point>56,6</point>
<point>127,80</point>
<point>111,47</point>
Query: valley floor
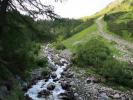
<point>87,86</point>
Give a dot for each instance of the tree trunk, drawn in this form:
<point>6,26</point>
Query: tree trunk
<point>3,8</point>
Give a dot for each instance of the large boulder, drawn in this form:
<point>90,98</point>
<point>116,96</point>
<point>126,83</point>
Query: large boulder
<point>115,96</point>
<point>51,86</point>
<point>55,80</point>
<point>27,97</point>
<point>47,77</point>
<point>65,85</point>
<point>53,75</point>
<point>43,93</point>
<point>68,95</point>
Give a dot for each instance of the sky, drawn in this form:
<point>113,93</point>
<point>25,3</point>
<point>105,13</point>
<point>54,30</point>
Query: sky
<point>77,8</point>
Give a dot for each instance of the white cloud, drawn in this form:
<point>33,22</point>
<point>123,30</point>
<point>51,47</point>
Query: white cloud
<point>78,8</point>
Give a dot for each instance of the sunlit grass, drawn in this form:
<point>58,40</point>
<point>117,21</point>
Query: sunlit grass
<point>84,36</point>
<point>80,37</point>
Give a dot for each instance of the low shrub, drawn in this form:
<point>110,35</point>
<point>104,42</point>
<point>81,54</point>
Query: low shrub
<point>42,62</point>
<point>117,72</point>
<point>60,46</point>
<point>45,72</point>
<point>93,53</point>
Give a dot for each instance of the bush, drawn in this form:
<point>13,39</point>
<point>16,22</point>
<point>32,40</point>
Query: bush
<point>42,62</point>
<point>106,17</point>
<point>45,72</point>
<point>4,73</point>
<point>93,53</point>
<point>116,72</point>
<point>120,23</point>
<point>60,46</point>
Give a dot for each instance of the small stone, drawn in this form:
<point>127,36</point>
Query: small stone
<point>103,96</point>
<point>76,94</point>
<point>88,81</point>
<point>80,98</point>
<point>72,83</point>
<point>116,96</point>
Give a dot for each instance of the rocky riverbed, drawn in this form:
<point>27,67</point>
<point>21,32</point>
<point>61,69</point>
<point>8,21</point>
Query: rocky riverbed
<point>66,83</point>
<point>91,88</point>
<point>53,86</point>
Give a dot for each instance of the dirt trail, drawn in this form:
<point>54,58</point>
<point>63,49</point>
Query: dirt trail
<point>122,45</point>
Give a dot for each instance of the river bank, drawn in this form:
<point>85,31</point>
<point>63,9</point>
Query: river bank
<point>65,82</point>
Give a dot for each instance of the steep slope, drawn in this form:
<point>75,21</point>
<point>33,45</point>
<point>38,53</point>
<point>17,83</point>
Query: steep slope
<point>118,17</point>
<point>113,7</point>
<point>117,6</point>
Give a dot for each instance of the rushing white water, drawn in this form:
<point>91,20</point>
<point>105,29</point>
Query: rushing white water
<point>41,84</point>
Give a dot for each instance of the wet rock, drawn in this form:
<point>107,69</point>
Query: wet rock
<point>72,83</point>
<point>43,93</point>
<point>70,75</point>
<point>51,86</point>
<point>55,80</point>
<point>76,94</point>
<point>28,98</point>
<point>65,69</point>
<point>46,80</point>
<point>103,96</point>
<point>25,88</point>
<point>53,75</point>
<point>57,62</point>
<point>53,68</point>
<point>64,62</point>
<point>88,81</point>
<point>33,82</point>
<point>39,78</point>
<point>61,64</point>
<point>3,92</point>
<point>47,77</point>
<point>95,80</point>
<point>80,98</point>
<point>65,85</point>
<point>115,96</point>
<point>64,96</point>
<point>67,96</point>
<point>64,73</point>
<point>92,80</point>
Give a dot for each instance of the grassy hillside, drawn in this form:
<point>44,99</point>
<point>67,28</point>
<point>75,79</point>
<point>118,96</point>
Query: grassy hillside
<point>80,37</point>
<point>120,23</point>
<point>84,36</point>
<point>113,7</point>
<point>90,49</point>
<point>118,17</point>
<point>117,6</point>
